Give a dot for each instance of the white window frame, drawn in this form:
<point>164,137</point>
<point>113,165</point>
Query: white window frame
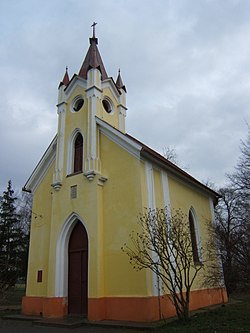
<point>197,232</point>
<point>71,151</point>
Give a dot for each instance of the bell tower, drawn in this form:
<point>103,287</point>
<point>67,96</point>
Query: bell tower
<point>83,98</point>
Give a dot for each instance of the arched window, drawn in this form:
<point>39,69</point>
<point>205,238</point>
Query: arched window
<point>195,238</point>
<point>78,153</point>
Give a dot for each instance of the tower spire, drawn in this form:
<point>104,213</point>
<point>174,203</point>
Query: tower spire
<point>65,79</point>
<point>93,58</point>
<point>119,82</point>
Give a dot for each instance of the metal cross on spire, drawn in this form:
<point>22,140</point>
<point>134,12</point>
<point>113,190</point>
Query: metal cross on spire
<point>93,25</point>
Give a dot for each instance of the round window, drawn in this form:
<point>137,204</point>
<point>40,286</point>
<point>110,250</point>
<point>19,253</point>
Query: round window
<point>78,104</point>
<point>107,106</point>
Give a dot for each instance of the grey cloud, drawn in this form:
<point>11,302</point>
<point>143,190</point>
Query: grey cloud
<point>186,67</point>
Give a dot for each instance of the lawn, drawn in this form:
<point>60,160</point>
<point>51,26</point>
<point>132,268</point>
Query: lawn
<point>13,296</point>
<point>230,318</point>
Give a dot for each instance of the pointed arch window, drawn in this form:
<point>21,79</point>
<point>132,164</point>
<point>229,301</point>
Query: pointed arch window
<point>78,153</point>
<point>195,237</point>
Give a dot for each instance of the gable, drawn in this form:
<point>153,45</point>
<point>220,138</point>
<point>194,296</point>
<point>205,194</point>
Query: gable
<point>132,146</point>
<point>143,152</point>
<point>42,167</point>
<point>119,138</point>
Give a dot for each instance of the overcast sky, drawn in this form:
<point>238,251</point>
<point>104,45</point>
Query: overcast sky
<point>185,64</point>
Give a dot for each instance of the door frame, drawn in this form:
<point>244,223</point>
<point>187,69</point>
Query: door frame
<point>78,271</point>
<point>61,276</point>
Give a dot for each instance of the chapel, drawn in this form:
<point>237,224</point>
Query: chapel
<point>88,189</point>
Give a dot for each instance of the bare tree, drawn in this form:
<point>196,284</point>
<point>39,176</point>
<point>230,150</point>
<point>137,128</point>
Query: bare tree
<point>229,231</point>
<point>213,275</point>
<point>240,179</point>
<point>164,246</point>
<point>233,223</point>
<point>170,154</point>
<point>24,208</point>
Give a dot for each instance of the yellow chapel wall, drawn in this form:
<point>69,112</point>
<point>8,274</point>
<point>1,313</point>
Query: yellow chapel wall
<point>123,202</point>
<point>184,196</point>
<point>40,236</point>
<point>44,236</point>
<point>115,217</point>
<point>113,117</point>
<point>88,205</point>
<point>75,120</point>
<point>159,201</point>
<point>110,210</point>
<point>44,241</point>
<point>83,206</point>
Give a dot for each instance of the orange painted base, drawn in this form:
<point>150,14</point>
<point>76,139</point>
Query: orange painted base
<point>147,309</point>
<point>141,309</point>
<point>45,306</point>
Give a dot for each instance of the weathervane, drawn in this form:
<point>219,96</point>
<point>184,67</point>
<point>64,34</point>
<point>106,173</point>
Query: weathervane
<point>93,25</point>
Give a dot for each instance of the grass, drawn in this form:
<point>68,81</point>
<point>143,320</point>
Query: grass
<point>13,296</point>
<point>233,317</point>
<point>10,301</point>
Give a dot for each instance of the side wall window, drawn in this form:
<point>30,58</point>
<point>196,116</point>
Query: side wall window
<point>195,238</point>
<point>78,153</point>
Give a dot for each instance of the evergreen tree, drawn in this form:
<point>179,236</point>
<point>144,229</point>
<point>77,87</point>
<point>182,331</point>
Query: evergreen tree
<point>24,209</point>
<point>11,240</point>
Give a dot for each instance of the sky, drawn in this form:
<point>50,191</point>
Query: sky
<point>185,64</point>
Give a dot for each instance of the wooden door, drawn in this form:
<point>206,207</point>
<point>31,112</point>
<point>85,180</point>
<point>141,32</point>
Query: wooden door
<point>78,271</point>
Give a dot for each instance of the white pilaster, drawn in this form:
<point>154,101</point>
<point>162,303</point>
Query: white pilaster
<point>165,190</point>
<point>94,93</point>
<point>122,111</point>
<point>156,286</point>
<point>121,118</point>
<point>167,205</point>
<point>57,176</point>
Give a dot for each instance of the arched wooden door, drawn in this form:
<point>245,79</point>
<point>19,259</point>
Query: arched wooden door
<point>78,271</point>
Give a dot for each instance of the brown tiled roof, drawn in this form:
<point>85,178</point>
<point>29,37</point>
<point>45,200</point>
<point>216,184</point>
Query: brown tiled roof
<point>157,158</point>
<point>150,153</point>
<point>93,60</point>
